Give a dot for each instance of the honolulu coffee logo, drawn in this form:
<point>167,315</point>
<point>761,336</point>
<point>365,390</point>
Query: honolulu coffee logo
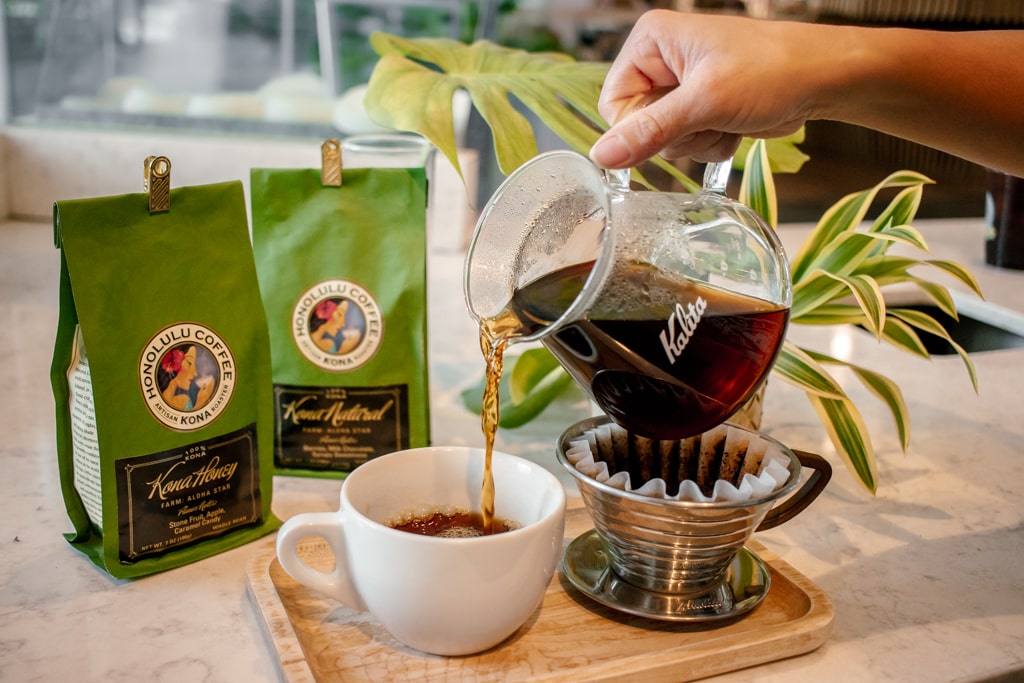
<point>337,325</point>
<point>187,375</point>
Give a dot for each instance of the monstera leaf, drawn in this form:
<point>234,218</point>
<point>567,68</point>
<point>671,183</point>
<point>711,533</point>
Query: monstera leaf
<point>414,82</point>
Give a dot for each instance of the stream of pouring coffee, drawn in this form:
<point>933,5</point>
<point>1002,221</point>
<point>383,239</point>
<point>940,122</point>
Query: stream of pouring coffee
<point>495,334</point>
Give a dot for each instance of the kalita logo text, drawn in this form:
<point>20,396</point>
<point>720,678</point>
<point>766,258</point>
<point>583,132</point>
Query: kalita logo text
<point>680,327</point>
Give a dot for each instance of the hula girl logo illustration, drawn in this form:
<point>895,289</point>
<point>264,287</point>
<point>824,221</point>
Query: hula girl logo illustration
<point>187,375</point>
<point>337,325</point>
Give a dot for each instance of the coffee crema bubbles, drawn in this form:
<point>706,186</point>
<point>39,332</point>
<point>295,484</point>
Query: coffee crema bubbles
<point>448,521</point>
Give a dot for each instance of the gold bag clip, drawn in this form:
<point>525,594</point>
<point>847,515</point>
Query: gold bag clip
<point>156,182</point>
<point>330,163</point>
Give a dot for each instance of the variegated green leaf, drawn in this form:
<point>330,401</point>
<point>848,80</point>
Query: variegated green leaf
<point>849,250</point>
<point>907,234</point>
<point>962,352</point>
<point>865,253</point>
<point>849,435</point>
<point>921,321</point>
<point>813,291</point>
<point>884,267</point>
<point>846,252</point>
<point>890,394</point>
<point>927,323</point>
<point>959,272</point>
<point>882,387</point>
<point>795,366</point>
<point>902,209</point>
<point>845,215</point>
<point>757,189</point>
<point>869,296</point>
<point>832,314</point>
<point>939,295</point>
<point>902,336</point>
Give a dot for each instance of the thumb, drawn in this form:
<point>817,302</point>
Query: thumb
<point>612,151</point>
<point>639,136</point>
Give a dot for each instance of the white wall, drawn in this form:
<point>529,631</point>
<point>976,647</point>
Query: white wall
<point>40,165</point>
<point>4,176</point>
<point>49,164</point>
<point>5,86</point>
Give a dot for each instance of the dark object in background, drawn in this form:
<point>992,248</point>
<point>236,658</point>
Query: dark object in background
<point>1004,221</point>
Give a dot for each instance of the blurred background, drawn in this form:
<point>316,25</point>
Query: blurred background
<point>297,68</point>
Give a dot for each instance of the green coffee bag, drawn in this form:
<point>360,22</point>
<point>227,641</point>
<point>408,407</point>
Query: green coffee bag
<point>161,377</point>
<point>342,272</point>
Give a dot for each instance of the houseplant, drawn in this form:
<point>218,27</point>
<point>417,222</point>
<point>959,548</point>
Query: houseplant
<point>838,273</point>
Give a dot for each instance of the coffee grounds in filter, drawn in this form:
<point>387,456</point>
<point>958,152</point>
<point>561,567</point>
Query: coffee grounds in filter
<point>725,463</point>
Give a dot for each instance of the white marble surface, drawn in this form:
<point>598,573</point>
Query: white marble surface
<point>926,576</point>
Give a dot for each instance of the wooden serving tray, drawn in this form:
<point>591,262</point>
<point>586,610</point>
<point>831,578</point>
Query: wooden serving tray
<point>569,638</point>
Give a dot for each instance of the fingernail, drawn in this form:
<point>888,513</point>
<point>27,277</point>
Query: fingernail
<point>610,152</point>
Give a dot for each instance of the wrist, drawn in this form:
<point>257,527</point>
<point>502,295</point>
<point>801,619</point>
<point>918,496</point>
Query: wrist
<point>859,77</point>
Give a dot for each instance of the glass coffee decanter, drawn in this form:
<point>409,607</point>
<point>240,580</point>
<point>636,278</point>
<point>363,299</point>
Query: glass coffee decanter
<point>668,308</point>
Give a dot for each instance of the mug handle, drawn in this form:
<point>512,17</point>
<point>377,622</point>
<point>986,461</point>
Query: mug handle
<point>805,495</point>
<point>326,525</point>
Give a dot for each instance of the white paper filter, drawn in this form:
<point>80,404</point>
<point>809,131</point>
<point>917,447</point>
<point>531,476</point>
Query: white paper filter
<point>751,467</point>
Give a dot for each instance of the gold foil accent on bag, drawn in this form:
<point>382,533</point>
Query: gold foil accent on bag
<point>330,163</point>
<point>156,182</point>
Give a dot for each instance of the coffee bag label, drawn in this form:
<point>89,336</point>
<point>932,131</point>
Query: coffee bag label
<point>177,497</point>
<point>85,448</point>
<point>338,427</point>
<point>337,325</point>
<point>187,376</point>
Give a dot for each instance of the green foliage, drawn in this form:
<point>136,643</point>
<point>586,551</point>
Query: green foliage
<point>846,259</point>
<point>535,382</point>
<point>414,81</point>
<point>839,273</point>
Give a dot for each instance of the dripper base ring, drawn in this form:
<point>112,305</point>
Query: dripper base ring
<point>586,565</point>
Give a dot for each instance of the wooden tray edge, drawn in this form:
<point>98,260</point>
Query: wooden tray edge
<point>277,625</point>
<point>777,641</point>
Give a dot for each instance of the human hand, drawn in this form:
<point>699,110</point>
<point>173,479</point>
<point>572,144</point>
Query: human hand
<point>693,85</point>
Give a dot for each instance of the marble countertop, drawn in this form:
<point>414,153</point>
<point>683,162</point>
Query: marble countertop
<point>926,575</point>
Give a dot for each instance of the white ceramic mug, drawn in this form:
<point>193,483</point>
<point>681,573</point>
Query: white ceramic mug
<point>447,596</point>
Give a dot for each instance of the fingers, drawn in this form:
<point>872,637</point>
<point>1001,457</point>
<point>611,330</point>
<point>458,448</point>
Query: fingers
<point>643,134</point>
<point>705,146</point>
<point>612,151</point>
<point>636,138</point>
<point>616,150</point>
<point>703,81</point>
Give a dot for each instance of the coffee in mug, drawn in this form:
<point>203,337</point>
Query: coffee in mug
<point>445,596</point>
<point>450,522</point>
